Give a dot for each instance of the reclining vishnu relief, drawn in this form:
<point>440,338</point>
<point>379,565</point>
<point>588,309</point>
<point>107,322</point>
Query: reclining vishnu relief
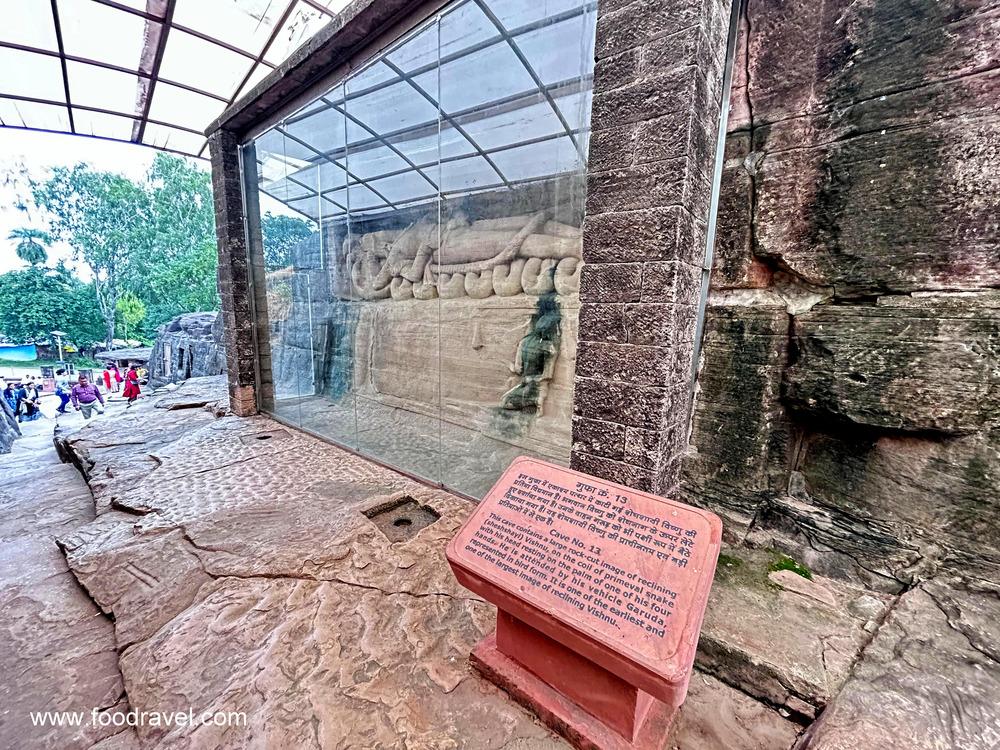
<point>530,253</point>
<point>472,321</point>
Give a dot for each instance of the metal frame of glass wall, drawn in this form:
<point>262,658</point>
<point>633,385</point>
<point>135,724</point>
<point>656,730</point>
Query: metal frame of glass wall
<point>428,179</point>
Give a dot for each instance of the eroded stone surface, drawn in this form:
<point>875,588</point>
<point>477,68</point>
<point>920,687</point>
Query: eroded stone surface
<point>194,392</point>
<point>850,516</point>
<point>9,428</point>
<point>244,576</point>
<point>738,430</point>
<point>783,643</point>
<point>917,365</point>
<point>717,717</point>
<point>58,650</point>
<point>929,680</point>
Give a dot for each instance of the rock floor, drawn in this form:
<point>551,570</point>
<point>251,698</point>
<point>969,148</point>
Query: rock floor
<point>237,571</point>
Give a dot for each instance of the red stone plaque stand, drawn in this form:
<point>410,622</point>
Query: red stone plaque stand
<point>600,591</point>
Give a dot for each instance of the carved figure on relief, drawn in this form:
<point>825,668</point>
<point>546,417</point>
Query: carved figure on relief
<point>506,256</point>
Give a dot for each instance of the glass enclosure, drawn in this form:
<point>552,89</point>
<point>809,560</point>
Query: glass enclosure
<point>420,225</point>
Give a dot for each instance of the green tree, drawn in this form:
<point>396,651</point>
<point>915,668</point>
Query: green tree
<point>279,235</point>
<point>105,218</point>
<point>154,238</point>
<point>131,313</point>
<point>176,270</point>
<point>32,245</point>
<point>35,301</point>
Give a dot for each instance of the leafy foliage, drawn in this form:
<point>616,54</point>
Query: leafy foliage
<point>280,234</point>
<point>153,240</point>
<point>31,245</point>
<point>36,301</point>
<point>130,313</point>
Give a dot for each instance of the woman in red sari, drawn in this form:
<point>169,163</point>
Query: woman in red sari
<point>131,391</point>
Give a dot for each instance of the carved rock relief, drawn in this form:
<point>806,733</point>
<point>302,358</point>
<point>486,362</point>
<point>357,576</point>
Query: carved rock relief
<point>528,254</point>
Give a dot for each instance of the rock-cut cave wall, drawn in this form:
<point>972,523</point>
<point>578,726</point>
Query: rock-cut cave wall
<point>848,409</point>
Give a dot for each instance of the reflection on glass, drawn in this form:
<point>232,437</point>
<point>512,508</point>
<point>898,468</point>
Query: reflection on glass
<point>421,228</point>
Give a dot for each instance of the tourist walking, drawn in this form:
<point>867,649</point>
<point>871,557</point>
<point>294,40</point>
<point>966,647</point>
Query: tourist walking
<point>131,385</point>
<point>62,390</point>
<point>118,377</point>
<point>107,380</point>
<point>86,397</point>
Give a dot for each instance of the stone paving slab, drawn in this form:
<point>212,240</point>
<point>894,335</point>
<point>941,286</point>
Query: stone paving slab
<point>58,650</point>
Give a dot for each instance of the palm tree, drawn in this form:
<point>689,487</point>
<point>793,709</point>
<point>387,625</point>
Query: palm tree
<point>31,245</point>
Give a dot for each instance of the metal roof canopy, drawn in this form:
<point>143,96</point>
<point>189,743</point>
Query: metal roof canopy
<point>539,97</point>
<point>151,72</point>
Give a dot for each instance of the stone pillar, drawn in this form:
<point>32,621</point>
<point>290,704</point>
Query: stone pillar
<point>235,288</point>
<point>657,97</point>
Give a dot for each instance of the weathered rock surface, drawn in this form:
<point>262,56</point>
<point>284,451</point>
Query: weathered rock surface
<point>194,392</point>
<point>925,364</point>
<point>59,651</point>
<point>189,346</point>
<point>737,443</point>
<point>929,680</point>
<point>110,453</point>
<point>243,575</point>
<point>790,643</point>
<point>878,127</point>
<point>835,542</point>
<point>718,717</point>
<point>9,428</point>
<point>947,509</point>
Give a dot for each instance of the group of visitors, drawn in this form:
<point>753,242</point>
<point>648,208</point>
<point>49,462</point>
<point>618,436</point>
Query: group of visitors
<point>24,397</point>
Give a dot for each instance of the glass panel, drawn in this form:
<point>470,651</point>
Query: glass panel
<point>511,302</point>
<point>536,160</point>
<point>246,24</point>
<point>182,107</point>
<point>31,74</point>
<point>206,66</point>
<point>430,319</point>
<point>92,86</point>
<point>302,23</point>
<point>497,75</point>
<point>29,22</point>
<point>162,136</point>
<point>397,337</point>
<point>100,124</point>
<point>87,28</point>
<point>18,114</point>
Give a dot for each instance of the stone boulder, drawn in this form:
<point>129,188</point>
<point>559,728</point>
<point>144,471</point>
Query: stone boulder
<point>9,429</point>
<point>190,345</point>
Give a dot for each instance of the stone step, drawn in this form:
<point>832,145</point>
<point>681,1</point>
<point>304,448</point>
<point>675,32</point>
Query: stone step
<point>782,634</point>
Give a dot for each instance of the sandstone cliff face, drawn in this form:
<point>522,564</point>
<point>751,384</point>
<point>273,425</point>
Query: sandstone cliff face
<point>849,392</point>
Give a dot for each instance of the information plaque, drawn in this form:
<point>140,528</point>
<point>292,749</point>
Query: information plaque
<point>601,591</point>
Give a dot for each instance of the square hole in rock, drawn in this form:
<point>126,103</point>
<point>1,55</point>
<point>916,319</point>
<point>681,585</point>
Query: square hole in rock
<point>259,437</point>
<point>402,518</point>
